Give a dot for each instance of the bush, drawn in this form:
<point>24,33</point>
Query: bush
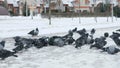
<point>85,12</point>
<point>102,8</point>
<point>11,13</point>
<point>24,10</point>
<point>116,10</point>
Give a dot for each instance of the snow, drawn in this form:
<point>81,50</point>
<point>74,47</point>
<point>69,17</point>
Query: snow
<point>20,26</point>
<point>57,57</point>
<point>69,2</point>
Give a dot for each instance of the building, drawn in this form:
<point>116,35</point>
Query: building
<point>81,5</point>
<point>89,5</point>
<point>35,6</point>
<point>97,3</point>
<point>1,2</point>
<point>118,2</point>
<point>3,11</point>
<point>13,7</point>
<point>55,5</point>
<point>38,6</point>
<point>68,5</point>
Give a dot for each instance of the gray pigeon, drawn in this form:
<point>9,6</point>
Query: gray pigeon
<point>111,50</point>
<point>34,32</point>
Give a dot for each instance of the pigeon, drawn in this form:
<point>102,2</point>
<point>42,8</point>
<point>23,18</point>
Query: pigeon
<point>93,31</point>
<point>56,41</point>
<point>111,50</point>
<point>118,30</point>
<point>19,47</point>
<point>6,53</point>
<point>115,38</point>
<point>59,42</point>
<point>74,30</point>
<point>34,32</point>
<point>81,32</point>
<point>99,43</point>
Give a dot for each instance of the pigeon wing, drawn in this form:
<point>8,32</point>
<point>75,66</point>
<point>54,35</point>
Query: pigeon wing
<point>31,32</point>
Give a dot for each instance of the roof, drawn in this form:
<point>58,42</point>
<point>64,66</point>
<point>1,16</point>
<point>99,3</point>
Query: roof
<point>33,2</point>
<point>96,2</point>
<point>3,11</point>
<point>39,2</point>
<point>1,0</point>
<point>14,2</point>
<point>69,2</point>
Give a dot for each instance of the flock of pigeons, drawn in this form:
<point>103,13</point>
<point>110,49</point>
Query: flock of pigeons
<point>60,41</point>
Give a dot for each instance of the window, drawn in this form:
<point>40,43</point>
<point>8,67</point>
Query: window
<point>86,2</point>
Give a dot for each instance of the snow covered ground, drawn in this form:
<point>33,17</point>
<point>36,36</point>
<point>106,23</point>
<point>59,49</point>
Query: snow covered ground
<point>20,26</point>
<point>55,57</point>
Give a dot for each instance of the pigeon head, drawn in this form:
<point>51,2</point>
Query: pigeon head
<point>76,28</point>
<point>37,29</point>
<point>106,34</point>
<point>2,43</point>
<point>84,30</point>
<point>93,31</point>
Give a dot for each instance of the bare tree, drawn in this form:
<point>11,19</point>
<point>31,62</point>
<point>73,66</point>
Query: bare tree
<point>58,6</point>
<point>26,7</point>
<point>107,2</point>
<point>94,3</point>
<point>79,13</point>
<point>49,12</point>
<point>5,4</point>
<point>112,10</point>
<point>72,9</point>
